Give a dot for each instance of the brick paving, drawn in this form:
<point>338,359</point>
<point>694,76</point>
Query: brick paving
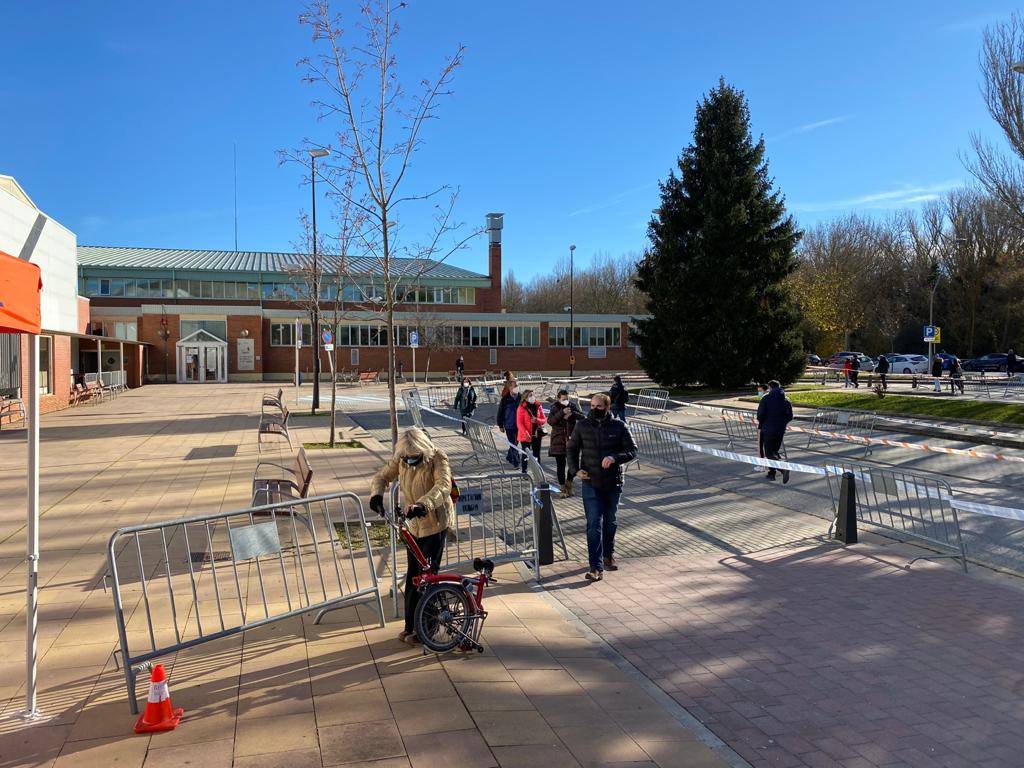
<point>547,692</point>
<point>817,655</point>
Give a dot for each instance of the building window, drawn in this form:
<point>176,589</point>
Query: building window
<point>585,336</point>
<point>45,365</point>
<point>283,335</point>
<point>218,328</point>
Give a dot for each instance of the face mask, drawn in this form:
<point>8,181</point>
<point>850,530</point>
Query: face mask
<point>599,413</point>
<point>531,399</point>
<point>412,461</point>
<point>563,401</point>
<point>465,384</point>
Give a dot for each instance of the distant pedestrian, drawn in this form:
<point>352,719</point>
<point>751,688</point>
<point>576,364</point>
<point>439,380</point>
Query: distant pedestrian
<point>1011,363</point>
<point>937,373</point>
<point>506,419</point>
<point>774,413</point>
<point>562,418</point>
<point>620,398</point>
<point>882,369</point>
<point>956,376</point>
<point>460,368</point>
<point>465,399</point>
<point>597,450</point>
<point>762,390</point>
<point>847,373</point>
<point>855,371</point>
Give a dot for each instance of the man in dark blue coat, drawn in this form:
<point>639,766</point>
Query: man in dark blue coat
<point>774,412</point>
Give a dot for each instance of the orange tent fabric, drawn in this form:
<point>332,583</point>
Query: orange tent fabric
<point>20,284</point>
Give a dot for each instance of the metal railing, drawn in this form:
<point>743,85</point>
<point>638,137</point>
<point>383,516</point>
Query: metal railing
<point>649,400</point>
<point>495,517</point>
<point>910,505</point>
<point>659,445</point>
<point>114,380</point>
<point>180,583</point>
<point>837,421</point>
<point>742,431</point>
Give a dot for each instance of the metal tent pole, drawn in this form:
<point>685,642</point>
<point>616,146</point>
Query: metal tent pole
<point>32,554</point>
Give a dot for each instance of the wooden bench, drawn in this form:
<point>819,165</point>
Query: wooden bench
<point>271,424</point>
<point>273,401</point>
<point>291,482</point>
<point>369,377</point>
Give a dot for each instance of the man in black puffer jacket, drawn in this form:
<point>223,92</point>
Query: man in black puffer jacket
<point>597,450</point>
<point>774,413</point>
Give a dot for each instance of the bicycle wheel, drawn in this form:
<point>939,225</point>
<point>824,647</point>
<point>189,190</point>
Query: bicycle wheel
<point>442,617</point>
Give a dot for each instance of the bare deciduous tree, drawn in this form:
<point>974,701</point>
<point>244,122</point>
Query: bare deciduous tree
<point>1002,175</point>
<point>378,127</point>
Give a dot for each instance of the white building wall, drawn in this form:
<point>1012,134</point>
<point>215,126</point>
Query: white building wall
<point>55,253</point>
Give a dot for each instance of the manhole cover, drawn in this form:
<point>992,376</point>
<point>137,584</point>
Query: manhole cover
<point>212,452</point>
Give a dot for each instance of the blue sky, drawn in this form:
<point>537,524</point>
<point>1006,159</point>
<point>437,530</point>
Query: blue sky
<point>120,117</point>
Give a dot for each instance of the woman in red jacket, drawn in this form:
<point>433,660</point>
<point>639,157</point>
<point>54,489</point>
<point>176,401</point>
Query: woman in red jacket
<point>529,420</point>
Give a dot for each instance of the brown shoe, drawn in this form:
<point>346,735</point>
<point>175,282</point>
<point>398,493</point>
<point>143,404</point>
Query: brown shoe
<point>409,638</point>
<point>568,487</point>
<point>563,490</point>
<point>610,564</point>
<point>594,575</point>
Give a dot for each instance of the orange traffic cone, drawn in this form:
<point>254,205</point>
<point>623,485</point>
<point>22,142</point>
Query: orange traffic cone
<point>159,715</point>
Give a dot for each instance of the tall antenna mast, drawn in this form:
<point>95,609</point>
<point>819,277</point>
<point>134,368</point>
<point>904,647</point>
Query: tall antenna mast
<point>234,158</point>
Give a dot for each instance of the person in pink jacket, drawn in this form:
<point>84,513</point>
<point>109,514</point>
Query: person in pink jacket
<point>530,419</point>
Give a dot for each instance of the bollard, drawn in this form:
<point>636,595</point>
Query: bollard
<point>846,518</point>
<point>545,532</point>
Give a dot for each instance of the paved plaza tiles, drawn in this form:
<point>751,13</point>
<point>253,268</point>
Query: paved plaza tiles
<point>548,692</point>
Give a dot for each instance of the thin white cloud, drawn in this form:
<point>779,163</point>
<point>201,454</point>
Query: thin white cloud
<point>886,200</point>
<point>612,201</point>
<point>809,127</point>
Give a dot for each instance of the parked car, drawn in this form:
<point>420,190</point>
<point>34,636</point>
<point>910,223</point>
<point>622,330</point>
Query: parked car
<point>992,362</point>
<point>839,359</point>
<point>813,359</point>
<point>947,359</point>
<point>907,363</point>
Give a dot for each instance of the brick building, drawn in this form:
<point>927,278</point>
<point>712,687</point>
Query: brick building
<point>227,315</point>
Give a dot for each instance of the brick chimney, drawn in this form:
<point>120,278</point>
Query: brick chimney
<point>495,222</point>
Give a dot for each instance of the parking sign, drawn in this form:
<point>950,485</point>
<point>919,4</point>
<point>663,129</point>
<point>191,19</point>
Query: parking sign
<point>414,339</point>
<point>932,334</point>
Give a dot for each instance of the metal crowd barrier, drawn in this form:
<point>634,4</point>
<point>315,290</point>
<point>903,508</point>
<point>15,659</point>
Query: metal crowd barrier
<point>909,505</point>
<point>180,583</point>
<point>650,400</point>
<point>856,423</point>
<point>113,380</point>
<point>659,445</point>
<point>741,427</point>
<point>440,395</point>
<point>494,518</point>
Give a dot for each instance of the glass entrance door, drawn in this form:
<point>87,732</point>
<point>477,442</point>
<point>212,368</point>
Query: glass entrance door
<point>193,366</point>
<point>210,372</point>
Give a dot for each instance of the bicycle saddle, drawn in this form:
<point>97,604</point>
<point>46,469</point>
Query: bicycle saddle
<point>487,566</point>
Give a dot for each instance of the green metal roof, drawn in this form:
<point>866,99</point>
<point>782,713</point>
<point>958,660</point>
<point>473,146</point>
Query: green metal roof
<point>254,261</point>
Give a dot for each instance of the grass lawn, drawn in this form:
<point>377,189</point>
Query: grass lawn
<point>337,444</point>
<point>380,534</point>
<point>938,408</point>
<point>691,392</point>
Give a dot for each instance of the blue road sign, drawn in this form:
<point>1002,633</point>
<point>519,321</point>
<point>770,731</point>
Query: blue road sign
<point>414,338</point>
<point>327,336</point>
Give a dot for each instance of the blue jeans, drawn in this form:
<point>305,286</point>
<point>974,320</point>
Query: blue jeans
<point>619,413</point>
<point>600,506</point>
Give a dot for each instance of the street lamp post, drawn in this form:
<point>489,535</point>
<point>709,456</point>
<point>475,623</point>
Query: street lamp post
<point>313,155</point>
<point>572,315</point>
<point>931,305</point>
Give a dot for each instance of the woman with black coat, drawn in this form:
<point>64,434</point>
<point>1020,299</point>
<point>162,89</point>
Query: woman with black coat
<point>562,417</point>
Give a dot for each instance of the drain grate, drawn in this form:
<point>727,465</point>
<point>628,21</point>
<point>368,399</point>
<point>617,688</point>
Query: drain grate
<point>204,557</point>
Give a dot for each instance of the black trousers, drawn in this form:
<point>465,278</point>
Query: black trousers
<point>432,547</point>
<point>531,447</point>
<point>772,445</point>
<point>560,469</point>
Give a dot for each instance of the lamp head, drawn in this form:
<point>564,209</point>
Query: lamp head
<point>319,152</point>
<point>572,248</point>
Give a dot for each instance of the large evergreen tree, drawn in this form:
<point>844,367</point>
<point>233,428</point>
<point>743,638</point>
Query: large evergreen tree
<point>722,248</point>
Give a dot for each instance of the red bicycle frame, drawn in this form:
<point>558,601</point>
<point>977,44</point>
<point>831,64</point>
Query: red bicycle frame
<point>429,576</point>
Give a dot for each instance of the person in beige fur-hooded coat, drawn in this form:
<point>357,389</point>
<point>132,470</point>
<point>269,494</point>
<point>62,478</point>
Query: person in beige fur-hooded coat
<point>425,479</point>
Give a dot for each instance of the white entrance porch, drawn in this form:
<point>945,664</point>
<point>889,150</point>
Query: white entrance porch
<point>202,357</point>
